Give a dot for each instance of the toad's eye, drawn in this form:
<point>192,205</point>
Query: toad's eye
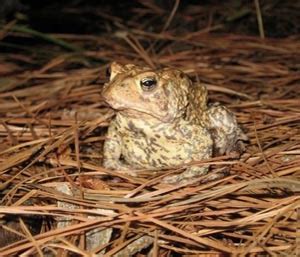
<point>147,84</point>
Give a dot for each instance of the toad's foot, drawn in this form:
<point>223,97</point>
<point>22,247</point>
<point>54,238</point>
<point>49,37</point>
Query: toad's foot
<point>119,167</point>
<point>194,172</point>
<point>188,175</point>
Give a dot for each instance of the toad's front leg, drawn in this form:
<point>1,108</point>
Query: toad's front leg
<point>112,152</point>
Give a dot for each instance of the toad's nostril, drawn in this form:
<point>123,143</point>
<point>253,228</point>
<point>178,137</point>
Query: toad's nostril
<point>108,72</point>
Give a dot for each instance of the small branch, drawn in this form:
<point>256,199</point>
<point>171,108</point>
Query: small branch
<point>259,19</point>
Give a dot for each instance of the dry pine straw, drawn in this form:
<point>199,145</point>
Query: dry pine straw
<point>52,129</point>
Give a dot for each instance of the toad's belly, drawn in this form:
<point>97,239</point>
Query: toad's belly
<point>158,152</point>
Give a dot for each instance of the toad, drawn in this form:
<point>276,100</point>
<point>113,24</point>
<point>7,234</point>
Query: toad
<point>163,120</point>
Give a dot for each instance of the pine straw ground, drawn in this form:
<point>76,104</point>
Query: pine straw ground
<point>53,124</point>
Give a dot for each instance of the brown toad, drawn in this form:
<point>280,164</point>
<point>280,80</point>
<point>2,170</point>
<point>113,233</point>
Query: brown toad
<point>163,120</point>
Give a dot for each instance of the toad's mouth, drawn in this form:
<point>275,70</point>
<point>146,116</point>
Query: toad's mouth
<point>143,114</point>
<point>139,113</point>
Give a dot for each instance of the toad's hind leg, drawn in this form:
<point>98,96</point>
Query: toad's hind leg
<point>225,131</point>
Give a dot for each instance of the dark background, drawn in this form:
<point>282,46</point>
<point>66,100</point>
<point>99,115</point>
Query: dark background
<point>281,18</point>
